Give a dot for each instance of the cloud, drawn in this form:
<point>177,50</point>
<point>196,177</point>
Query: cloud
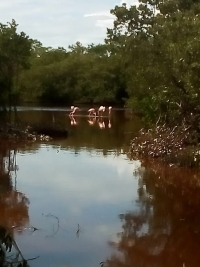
<point>105,14</point>
<point>61,22</point>
<point>102,20</point>
<point>105,19</point>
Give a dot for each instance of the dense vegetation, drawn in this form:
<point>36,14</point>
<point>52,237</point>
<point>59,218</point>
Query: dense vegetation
<point>148,62</point>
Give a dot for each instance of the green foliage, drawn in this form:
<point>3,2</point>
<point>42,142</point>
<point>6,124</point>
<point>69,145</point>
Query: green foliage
<point>14,56</point>
<point>150,59</point>
<point>161,55</point>
<point>83,74</point>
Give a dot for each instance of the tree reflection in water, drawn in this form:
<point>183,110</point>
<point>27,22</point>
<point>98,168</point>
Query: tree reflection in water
<point>13,208</point>
<point>165,232</point>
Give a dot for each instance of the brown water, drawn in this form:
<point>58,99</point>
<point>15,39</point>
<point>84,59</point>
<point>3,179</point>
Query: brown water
<point>90,203</point>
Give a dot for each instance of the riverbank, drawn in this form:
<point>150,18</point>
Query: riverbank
<point>31,133</point>
<point>176,146</point>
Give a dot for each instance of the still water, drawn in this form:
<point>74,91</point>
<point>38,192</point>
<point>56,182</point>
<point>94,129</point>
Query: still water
<point>81,202</point>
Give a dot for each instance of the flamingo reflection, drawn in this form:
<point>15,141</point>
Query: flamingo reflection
<point>109,124</point>
<point>92,121</point>
<point>72,120</point>
<point>101,124</point>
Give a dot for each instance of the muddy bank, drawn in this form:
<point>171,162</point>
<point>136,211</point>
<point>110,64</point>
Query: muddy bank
<point>33,132</point>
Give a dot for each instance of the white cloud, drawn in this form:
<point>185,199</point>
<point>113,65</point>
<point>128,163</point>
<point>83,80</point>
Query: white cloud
<point>105,19</point>
<point>100,14</point>
<point>61,22</point>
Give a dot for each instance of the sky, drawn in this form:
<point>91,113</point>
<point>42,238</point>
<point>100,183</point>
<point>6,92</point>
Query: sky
<point>60,23</point>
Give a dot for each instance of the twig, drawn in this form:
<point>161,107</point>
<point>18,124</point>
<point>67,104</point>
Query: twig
<point>58,225</point>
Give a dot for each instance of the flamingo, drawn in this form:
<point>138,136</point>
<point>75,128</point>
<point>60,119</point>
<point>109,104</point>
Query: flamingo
<point>73,111</point>
<point>101,110</point>
<point>109,110</point>
<point>92,112</point>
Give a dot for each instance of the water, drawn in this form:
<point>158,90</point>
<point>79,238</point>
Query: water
<point>75,188</point>
<point>80,201</point>
<point>86,189</point>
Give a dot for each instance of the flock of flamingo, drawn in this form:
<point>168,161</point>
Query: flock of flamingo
<point>92,111</point>
<point>92,114</point>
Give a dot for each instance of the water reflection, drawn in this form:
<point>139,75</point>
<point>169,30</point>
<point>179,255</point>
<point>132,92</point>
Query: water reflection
<point>13,206</point>
<point>100,121</point>
<point>79,185</point>
<point>73,204</point>
<point>118,131</point>
<point>165,230</point>
<point>73,120</point>
<point>92,120</point>
<point>109,124</point>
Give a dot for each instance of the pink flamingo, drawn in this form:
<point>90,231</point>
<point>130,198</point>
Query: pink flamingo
<point>73,110</point>
<point>92,112</point>
<point>109,110</point>
<point>101,110</point>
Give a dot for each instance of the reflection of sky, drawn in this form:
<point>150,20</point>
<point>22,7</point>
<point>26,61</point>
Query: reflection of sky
<point>87,189</point>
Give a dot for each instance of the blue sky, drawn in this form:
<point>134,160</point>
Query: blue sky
<point>62,22</point>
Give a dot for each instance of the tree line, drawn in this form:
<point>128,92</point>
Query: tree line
<point>149,62</point>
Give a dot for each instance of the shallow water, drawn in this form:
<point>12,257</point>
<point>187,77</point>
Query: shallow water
<point>80,201</point>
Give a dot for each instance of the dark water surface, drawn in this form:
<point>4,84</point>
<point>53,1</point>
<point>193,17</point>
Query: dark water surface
<point>80,201</point>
